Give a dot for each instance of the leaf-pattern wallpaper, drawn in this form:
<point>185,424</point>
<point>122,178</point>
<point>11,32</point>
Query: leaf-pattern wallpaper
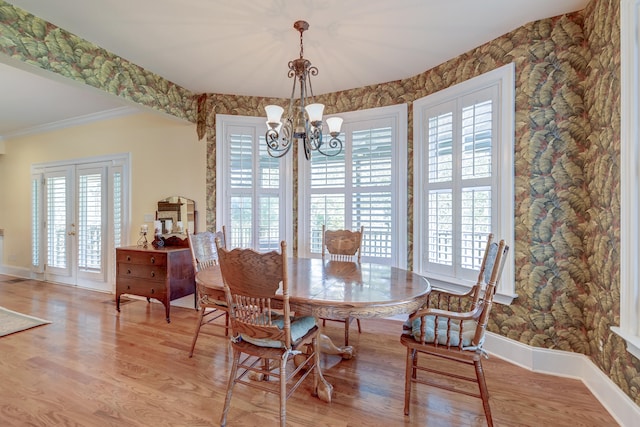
<point>32,40</point>
<point>567,176</point>
<point>567,159</point>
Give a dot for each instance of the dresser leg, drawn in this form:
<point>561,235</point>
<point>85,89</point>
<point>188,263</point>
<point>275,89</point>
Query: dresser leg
<point>118,302</point>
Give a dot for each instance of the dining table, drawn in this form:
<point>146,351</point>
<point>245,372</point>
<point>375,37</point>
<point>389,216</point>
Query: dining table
<point>340,289</point>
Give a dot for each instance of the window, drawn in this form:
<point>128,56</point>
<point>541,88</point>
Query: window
<point>254,190</point>
<point>629,186</point>
<point>463,179</point>
<point>365,185</point>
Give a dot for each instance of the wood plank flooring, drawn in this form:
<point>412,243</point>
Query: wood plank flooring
<point>94,366</point>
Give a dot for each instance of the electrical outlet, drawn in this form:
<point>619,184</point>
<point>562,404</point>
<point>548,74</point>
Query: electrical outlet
<point>149,217</point>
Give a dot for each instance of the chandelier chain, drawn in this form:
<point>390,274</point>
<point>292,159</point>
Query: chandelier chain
<point>301,44</point>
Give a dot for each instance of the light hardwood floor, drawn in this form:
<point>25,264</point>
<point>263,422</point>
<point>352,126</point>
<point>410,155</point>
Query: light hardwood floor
<point>95,367</point>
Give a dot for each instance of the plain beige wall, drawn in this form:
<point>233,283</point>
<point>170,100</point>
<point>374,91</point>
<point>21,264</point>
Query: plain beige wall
<point>166,160</point>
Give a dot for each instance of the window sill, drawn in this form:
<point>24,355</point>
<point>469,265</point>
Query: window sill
<point>633,341</point>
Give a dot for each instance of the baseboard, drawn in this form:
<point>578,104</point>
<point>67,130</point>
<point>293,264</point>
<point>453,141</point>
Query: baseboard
<point>23,273</point>
<point>571,365</point>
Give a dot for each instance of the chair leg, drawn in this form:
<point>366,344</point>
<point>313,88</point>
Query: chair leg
<point>283,390</point>
<point>346,330</point>
<point>359,328</point>
<point>232,382</point>
<point>414,373</point>
<point>195,336</point>
<point>226,324</point>
<point>484,392</point>
<point>409,373</point>
<point>266,366</point>
<point>316,362</point>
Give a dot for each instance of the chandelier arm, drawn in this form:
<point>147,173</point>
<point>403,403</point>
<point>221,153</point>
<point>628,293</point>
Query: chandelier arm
<point>293,92</point>
<point>274,148</point>
<point>315,138</point>
<point>312,71</point>
<point>307,148</point>
<point>334,145</point>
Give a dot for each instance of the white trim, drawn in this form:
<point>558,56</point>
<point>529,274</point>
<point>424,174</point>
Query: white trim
<point>570,365</point>
<point>629,177</point>
<point>399,114</point>
<point>504,77</point>
<point>223,121</point>
<point>74,121</point>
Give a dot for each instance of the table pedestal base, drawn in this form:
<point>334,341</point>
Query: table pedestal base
<point>324,390</point>
<point>328,347</point>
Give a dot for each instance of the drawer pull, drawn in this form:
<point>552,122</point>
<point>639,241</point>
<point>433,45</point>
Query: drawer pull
<point>153,291</point>
<point>153,274</point>
<point>128,287</point>
<point>128,271</point>
<point>128,258</point>
<point>153,260</point>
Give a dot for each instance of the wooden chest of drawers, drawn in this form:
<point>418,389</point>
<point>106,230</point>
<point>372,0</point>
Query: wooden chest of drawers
<point>164,273</point>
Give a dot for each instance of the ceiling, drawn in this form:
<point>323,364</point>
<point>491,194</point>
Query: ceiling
<point>243,46</point>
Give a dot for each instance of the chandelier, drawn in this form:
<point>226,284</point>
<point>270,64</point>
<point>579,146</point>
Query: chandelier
<point>304,120</point>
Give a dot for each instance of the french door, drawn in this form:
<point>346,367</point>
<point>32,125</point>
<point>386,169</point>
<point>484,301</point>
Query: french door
<point>79,212</point>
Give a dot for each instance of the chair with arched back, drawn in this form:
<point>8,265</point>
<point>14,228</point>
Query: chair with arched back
<point>345,246</point>
<point>204,254</point>
<point>265,334</point>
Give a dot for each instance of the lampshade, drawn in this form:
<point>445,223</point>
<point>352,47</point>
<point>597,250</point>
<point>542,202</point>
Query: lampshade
<point>274,113</point>
<point>334,123</point>
<point>314,112</point>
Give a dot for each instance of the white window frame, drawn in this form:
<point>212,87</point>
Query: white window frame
<point>223,124</point>
<point>398,115</point>
<point>629,328</point>
<point>503,187</point>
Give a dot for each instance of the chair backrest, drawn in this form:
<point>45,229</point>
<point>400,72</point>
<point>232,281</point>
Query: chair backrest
<point>251,280</point>
<point>486,300</point>
<point>486,269</point>
<point>342,245</point>
<point>203,248</point>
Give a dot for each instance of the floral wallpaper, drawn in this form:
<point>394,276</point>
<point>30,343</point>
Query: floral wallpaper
<point>567,159</point>
<point>30,39</point>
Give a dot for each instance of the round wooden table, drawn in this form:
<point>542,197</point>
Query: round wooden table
<point>338,289</point>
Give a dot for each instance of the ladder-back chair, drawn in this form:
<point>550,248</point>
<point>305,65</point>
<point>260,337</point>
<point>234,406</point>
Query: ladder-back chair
<point>453,335</point>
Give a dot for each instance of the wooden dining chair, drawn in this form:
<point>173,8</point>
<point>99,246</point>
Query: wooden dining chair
<point>467,301</point>
<point>211,306</point>
<point>342,245</point>
<point>265,336</point>
<point>453,335</point>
